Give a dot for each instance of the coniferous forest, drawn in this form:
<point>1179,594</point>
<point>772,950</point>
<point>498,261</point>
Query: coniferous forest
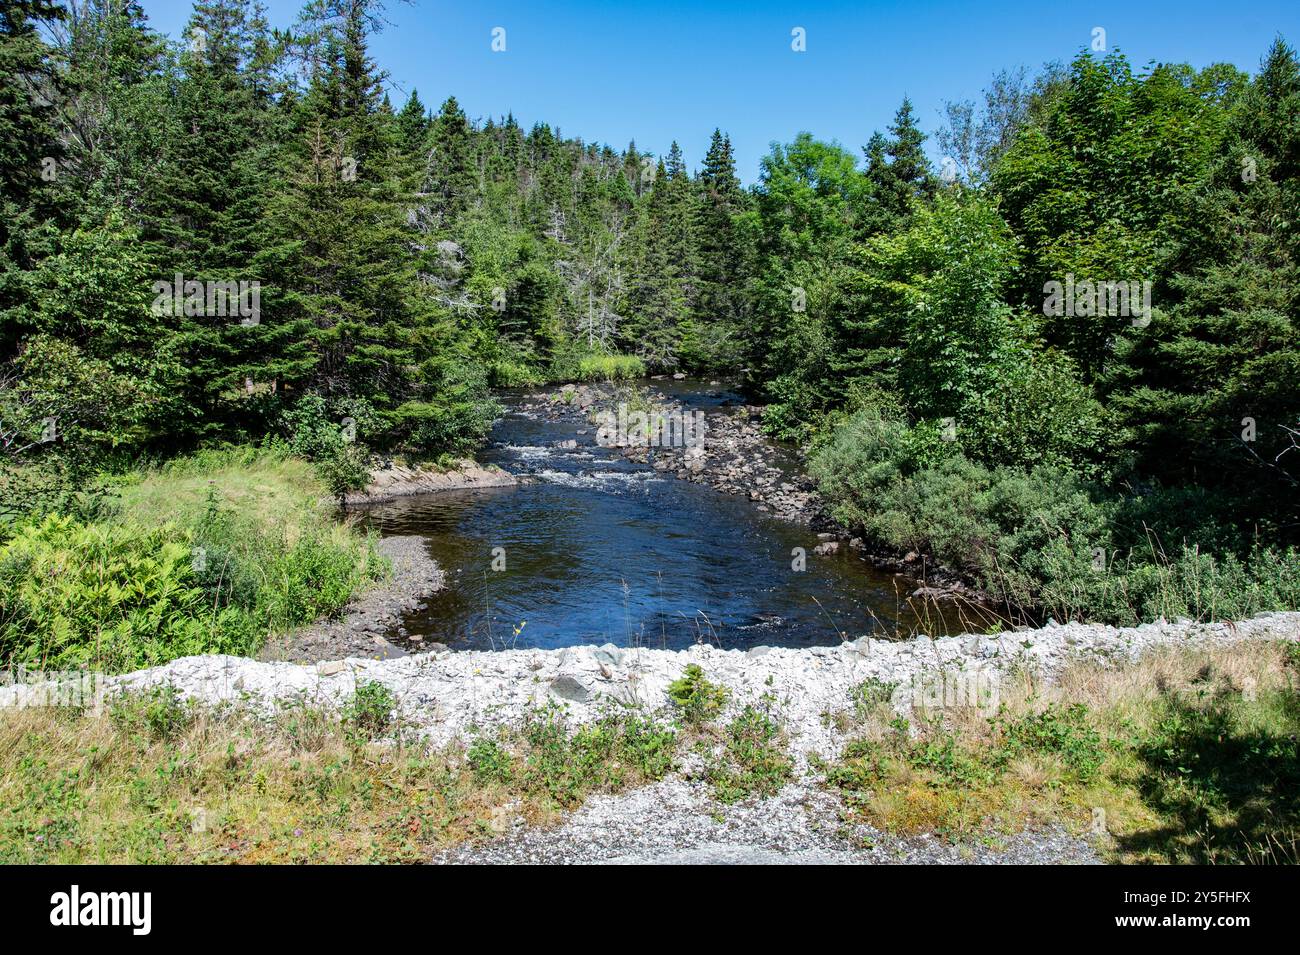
<point>1063,363</point>
<point>1040,358</point>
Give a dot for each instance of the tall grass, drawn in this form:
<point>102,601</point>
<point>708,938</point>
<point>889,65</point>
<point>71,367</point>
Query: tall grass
<point>609,368</point>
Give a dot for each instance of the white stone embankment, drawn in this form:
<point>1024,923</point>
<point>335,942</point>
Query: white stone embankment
<point>446,693</point>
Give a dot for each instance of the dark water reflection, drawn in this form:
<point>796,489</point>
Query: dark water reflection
<point>597,549</point>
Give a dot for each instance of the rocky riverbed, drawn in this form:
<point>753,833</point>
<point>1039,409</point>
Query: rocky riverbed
<point>737,457</point>
<point>734,455</point>
<point>393,480</point>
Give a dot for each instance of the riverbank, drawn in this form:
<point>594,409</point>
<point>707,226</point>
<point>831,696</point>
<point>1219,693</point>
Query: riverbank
<point>217,552</point>
<point>364,624</point>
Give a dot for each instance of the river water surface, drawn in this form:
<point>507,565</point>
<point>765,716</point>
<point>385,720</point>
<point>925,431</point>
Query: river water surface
<point>593,548</point>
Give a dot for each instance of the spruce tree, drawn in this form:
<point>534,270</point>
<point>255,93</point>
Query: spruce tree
<point>29,157</point>
<point>897,175</point>
<point>450,179</point>
<point>719,301</point>
<point>656,306</point>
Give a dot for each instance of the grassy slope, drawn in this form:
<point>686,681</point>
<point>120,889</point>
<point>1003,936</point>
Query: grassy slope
<point>1188,756</point>
<point>274,491</point>
<point>212,553</point>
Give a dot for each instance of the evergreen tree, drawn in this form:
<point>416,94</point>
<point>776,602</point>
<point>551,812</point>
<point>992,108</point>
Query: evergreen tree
<point>1209,391</point>
<point>413,123</point>
<point>29,156</point>
<point>656,305</point>
<point>450,179</point>
<point>719,300</point>
<point>897,175</point>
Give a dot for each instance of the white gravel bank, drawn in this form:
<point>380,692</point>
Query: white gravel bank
<point>446,693</point>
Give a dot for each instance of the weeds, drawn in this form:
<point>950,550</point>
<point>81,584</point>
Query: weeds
<point>210,555</point>
<point>752,760</point>
<point>370,713</point>
<point>159,780</point>
<point>1191,757</point>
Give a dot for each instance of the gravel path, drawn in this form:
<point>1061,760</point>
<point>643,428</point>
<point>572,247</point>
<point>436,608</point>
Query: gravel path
<point>674,822</point>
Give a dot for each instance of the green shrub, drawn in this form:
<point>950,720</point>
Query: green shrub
<point>1063,731</point>
<point>121,596</point>
<point>1039,413</point>
<point>506,373</point>
<point>489,762</point>
<point>332,436</point>
<point>157,713</point>
<point>1043,539</point>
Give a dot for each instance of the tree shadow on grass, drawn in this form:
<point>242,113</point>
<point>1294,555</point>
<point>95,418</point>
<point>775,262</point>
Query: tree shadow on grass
<point>1225,784</point>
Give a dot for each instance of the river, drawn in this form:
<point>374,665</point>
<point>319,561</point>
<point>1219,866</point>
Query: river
<point>593,548</point>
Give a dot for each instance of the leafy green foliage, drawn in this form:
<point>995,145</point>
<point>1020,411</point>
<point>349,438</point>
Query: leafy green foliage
<point>753,761</point>
<point>76,595</point>
<point>1041,539</point>
<point>369,713</point>
<point>566,763</point>
<point>119,594</point>
<point>408,261</point>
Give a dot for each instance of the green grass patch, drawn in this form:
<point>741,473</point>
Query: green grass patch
<point>158,780</point>
<point>609,368</point>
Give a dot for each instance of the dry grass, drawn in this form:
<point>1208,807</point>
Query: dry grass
<point>154,783</point>
<point>1188,755</point>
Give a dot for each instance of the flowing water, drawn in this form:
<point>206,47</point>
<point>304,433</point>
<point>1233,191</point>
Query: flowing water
<point>598,549</point>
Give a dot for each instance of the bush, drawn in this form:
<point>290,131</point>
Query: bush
<point>326,433</point>
<point>1063,731</point>
<point>370,711</point>
<point>114,598</point>
<point>157,713</point>
<point>602,756</point>
<point>176,571</point>
<point>489,762</point>
<point>1040,538</point>
<point>1039,413</point>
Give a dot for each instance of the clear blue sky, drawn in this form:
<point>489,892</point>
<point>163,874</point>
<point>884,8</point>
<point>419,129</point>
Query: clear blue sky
<point>657,71</point>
